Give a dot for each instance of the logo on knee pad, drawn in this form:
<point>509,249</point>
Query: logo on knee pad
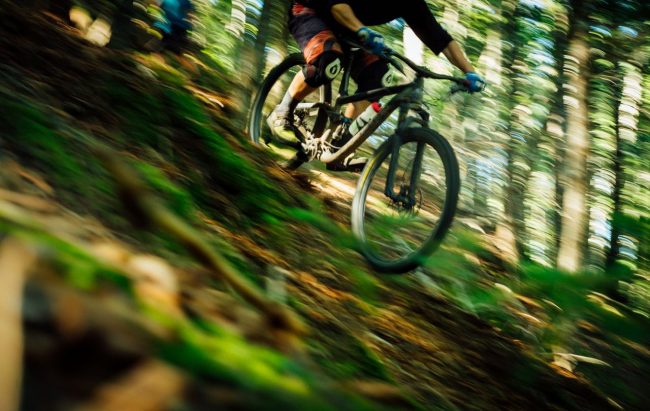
<point>333,69</point>
<point>387,80</point>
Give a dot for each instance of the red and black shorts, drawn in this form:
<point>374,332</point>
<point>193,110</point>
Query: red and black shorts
<point>315,37</point>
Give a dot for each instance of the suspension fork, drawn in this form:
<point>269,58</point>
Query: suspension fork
<point>407,198</point>
<point>415,173</point>
<point>396,142</point>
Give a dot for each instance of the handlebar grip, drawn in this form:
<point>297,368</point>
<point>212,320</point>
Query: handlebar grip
<point>459,87</point>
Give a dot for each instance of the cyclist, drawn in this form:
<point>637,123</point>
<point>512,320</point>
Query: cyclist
<point>315,24</point>
<point>175,24</point>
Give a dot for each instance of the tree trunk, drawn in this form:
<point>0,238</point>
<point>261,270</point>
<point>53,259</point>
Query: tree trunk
<point>253,56</point>
<point>612,253</point>
<point>237,22</point>
<point>505,235</point>
<point>270,25</point>
<point>574,216</point>
<point>626,170</point>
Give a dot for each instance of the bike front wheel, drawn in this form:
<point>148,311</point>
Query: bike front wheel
<point>399,221</point>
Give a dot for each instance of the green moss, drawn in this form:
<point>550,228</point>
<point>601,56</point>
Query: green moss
<point>144,120</point>
<point>175,197</point>
<point>262,373</point>
<point>344,357</point>
<point>78,268</point>
<point>254,193</point>
<point>31,133</point>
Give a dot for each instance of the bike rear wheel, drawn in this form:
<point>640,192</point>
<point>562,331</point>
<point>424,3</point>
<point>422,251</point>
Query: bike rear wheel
<point>396,236</point>
<point>269,95</point>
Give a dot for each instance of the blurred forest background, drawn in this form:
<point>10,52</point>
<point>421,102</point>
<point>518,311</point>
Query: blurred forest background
<point>555,152</point>
<point>551,246</point>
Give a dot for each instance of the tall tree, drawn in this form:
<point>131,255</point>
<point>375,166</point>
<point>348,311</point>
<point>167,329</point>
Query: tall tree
<point>576,71</point>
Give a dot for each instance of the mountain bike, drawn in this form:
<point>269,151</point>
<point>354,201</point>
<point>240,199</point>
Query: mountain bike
<point>407,193</point>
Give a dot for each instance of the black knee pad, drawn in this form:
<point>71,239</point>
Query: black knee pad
<point>323,70</point>
<point>376,75</point>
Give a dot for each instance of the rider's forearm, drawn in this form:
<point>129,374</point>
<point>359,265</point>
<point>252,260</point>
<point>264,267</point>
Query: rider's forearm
<point>344,15</point>
<point>457,57</point>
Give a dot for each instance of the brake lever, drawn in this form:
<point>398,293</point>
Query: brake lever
<point>387,55</point>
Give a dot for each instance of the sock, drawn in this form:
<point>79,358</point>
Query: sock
<point>288,103</point>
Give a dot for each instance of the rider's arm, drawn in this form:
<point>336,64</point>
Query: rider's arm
<point>344,15</point>
<point>455,55</point>
<point>424,25</point>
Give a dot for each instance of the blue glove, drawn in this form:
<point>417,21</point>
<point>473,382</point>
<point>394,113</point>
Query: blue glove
<point>474,82</point>
<point>372,40</point>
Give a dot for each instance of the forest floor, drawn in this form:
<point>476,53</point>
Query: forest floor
<point>114,309</point>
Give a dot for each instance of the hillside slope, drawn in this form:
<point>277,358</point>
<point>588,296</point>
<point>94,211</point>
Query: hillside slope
<point>115,307</point>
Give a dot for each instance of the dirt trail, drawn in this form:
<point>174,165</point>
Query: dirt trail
<point>446,358</point>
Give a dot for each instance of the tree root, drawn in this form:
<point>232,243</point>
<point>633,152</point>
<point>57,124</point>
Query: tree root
<point>145,208</point>
<point>16,258</point>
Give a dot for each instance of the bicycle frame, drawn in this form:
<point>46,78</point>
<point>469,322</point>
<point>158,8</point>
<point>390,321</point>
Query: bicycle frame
<point>407,97</point>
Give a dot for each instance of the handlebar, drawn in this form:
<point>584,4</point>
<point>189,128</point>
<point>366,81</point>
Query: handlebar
<point>390,56</point>
<point>458,87</point>
<point>422,71</point>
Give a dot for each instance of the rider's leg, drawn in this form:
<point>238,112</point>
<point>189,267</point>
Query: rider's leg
<point>354,109</point>
<point>322,53</point>
<point>280,120</point>
<point>298,90</point>
<point>317,72</point>
<point>369,72</point>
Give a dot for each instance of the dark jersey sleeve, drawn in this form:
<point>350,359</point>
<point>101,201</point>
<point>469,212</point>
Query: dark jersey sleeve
<point>332,3</point>
<point>425,26</point>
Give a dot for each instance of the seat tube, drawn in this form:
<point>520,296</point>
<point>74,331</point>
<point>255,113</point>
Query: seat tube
<point>345,81</point>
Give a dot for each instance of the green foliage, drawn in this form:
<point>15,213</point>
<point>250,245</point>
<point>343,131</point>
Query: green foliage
<point>175,197</point>
<point>344,357</point>
<point>28,131</point>
<point>510,154</point>
<point>143,117</point>
<point>317,219</point>
<point>54,149</point>
<point>223,163</point>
